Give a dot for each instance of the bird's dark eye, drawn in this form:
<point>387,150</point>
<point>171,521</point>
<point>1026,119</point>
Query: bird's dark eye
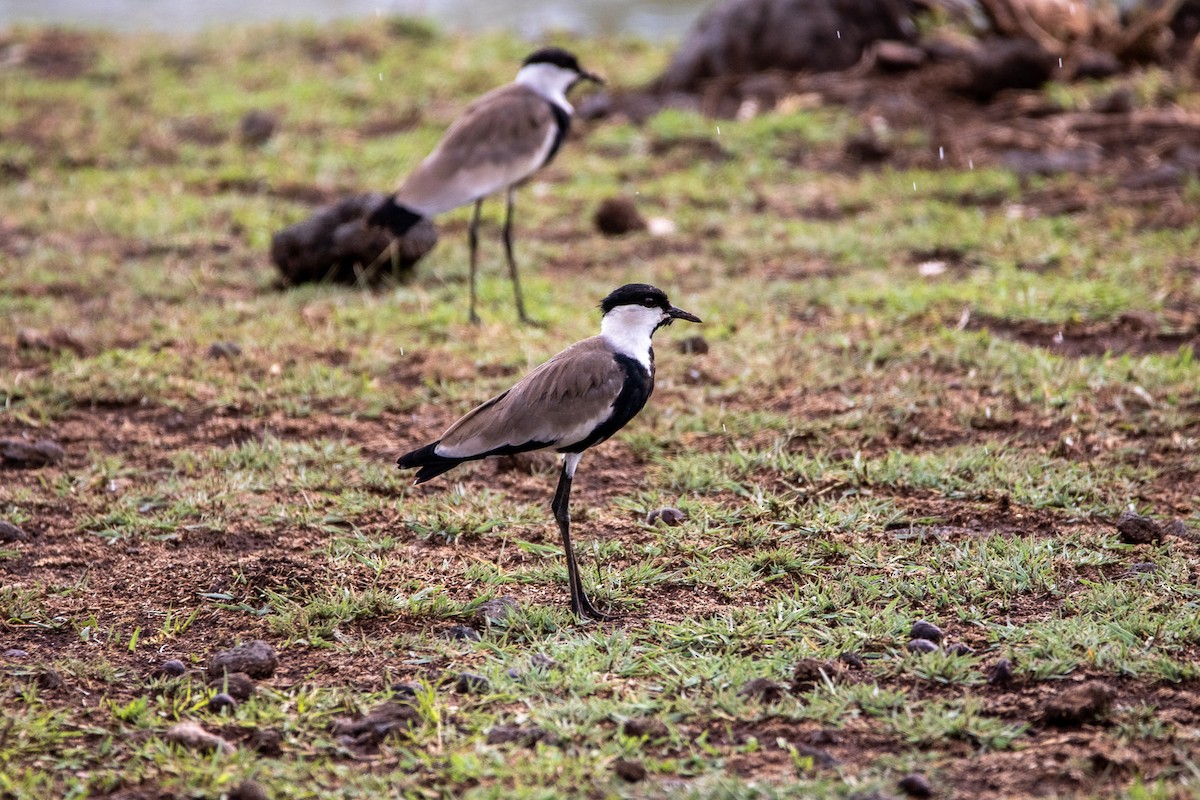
<point>649,302</point>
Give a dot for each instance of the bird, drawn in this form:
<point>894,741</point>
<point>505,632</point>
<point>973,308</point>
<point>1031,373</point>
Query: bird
<point>569,404</point>
<point>502,139</point>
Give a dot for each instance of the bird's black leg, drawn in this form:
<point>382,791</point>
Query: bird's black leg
<point>512,262</point>
<point>580,604</point>
<point>473,244</point>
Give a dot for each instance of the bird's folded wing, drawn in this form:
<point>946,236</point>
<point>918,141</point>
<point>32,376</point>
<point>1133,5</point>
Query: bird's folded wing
<point>557,404</point>
<point>501,139</point>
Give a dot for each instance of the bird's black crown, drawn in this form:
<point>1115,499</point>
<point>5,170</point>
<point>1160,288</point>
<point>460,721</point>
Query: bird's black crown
<point>553,55</point>
<point>636,294</point>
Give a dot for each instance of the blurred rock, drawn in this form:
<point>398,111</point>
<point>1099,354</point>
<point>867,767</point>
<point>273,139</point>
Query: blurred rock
<point>515,734</point>
<point>1136,529</point>
<point>809,673</point>
<point>224,350</point>
<point>1079,704</point>
<point>629,770</point>
<point>39,453</point>
<point>171,668</point>
<point>462,633</point>
<point>497,609</point>
<point>382,721</point>
<point>470,683</point>
<point>999,64</point>
<point>193,737</point>
<point>336,244</point>
<point>764,689</point>
<point>921,646</point>
<point>248,790</point>
<point>221,703</point>
<point>891,56</point>
<point>740,37</point>
<point>237,685</point>
<point>692,345</point>
<point>923,629</point>
<point>647,727</point>
<point>669,516</point>
<point>916,785</point>
<point>257,659</point>
<point>56,340</point>
<point>1001,673</point>
<point>618,216</point>
<point>11,533</point>
<point>1051,162</point>
<point>257,127</point>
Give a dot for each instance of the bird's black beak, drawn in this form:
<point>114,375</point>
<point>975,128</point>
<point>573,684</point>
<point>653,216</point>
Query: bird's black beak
<point>591,76</point>
<point>678,313</point>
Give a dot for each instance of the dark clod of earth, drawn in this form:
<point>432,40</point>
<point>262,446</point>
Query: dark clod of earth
<point>820,758</point>
<point>764,689</point>
<point>462,633</point>
<point>383,720</point>
<point>647,727</point>
<point>960,649</point>
<point>248,790</point>
<point>40,453</point>
<point>238,685</point>
<point>669,516</point>
<point>257,127</point>
<point>916,785</point>
<point>257,659</point>
<point>851,660</point>
<point>1136,529</point>
<point>1001,673</point>
<point>1079,704</point>
<point>618,216</point>
<point>812,672</point>
<point>921,646</point>
<point>497,609</point>
<point>221,702</point>
<point>172,667</point>
<point>692,345</point>
<point>470,683</point>
<point>11,533</point>
<point>510,734</point>
<point>224,350</point>
<point>629,770</point>
<point>923,629</point>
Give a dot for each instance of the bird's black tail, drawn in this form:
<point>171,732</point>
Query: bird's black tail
<point>391,215</point>
<point>428,463</point>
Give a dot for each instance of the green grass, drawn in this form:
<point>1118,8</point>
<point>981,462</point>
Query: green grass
<point>848,458</point>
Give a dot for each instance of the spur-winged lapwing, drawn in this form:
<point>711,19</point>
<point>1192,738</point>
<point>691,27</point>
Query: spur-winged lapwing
<point>502,139</point>
<point>575,400</point>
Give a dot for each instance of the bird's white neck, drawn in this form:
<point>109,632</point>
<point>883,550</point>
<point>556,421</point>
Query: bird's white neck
<point>627,329</point>
<point>550,81</point>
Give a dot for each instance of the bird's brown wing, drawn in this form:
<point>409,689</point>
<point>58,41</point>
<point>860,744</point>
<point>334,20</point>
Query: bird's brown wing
<point>501,139</point>
<point>557,404</point>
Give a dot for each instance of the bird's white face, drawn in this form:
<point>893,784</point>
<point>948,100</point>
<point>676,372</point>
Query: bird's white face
<point>628,329</point>
<point>549,80</point>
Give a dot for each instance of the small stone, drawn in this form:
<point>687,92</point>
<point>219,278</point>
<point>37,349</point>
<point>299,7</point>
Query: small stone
<point>462,633</point>
<point>192,736</point>
<point>692,345</point>
<point>257,659</point>
<point>257,127</point>
<point>266,742</point>
<point>629,770</point>
<point>923,629</point>
<point>40,453</point>
<point>644,727</point>
<point>916,785</point>
<point>238,685</point>
<point>224,350</point>
<point>670,516</point>
<point>248,790</point>
<point>497,609</point>
<point>865,147</point>
<point>1001,673</point>
<point>15,655</point>
<point>1136,529</point>
<point>172,668</point>
<point>382,721</point>
<point>820,758</point>
<point>470,683</point>
<point>1142,568</point>
<point>921,646</point>
<point>405,691</point>
<point>618,216</point>
<point>852,660</point>
<point>11,533</point>
<point>764,689</point>
<point>542,661</point>
<point>960,649</point>
<point>1179,529</point>
<point>1079,704</point>
<point>510,734</point>
<point>513,673</point>
<point>221,702</point>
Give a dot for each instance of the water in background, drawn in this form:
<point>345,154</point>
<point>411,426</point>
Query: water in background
<point>652,19</point>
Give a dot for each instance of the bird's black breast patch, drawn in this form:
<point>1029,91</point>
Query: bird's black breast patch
<point>562,126</point>
<point>639,383</point>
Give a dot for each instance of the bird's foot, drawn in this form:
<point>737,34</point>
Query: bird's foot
<point>530,321</point>
<point>474,319</point>
<point>584,609</point>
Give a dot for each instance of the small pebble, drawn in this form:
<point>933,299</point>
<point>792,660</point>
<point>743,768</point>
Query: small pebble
<point>497,609</point>
<point>172,667</point>
<point>470,683</point>
<point>15,654</point>
<point>405,691</point>
<point>248,790</point>
<point>237,685</point>
<point>922,629</point>
<point>960,649</point>
<point>629,770</point>
<point>257,127</point>
<point>11,533</point>
<point>1001,673</point>
<point>193,736</point>
<point>921,646</point>
<point>764,689</point>
<point>670,516</point>
<point>852,660</point>
<point>224,350</point>
<point>462,633</point>
<point>648,727</point>
<point>513,673</point>
<point>1136,529</point>
<point>257,659</point>
<point>916,785</point>
<point>618,216</point>
<point>1079,704</point>
<point>692,345</point>
<point>221,702</point>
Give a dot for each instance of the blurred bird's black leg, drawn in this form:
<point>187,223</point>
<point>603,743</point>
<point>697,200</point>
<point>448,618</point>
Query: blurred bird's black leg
<point>473,244</point>
<point>512,262</point>
<point>580,604</point>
